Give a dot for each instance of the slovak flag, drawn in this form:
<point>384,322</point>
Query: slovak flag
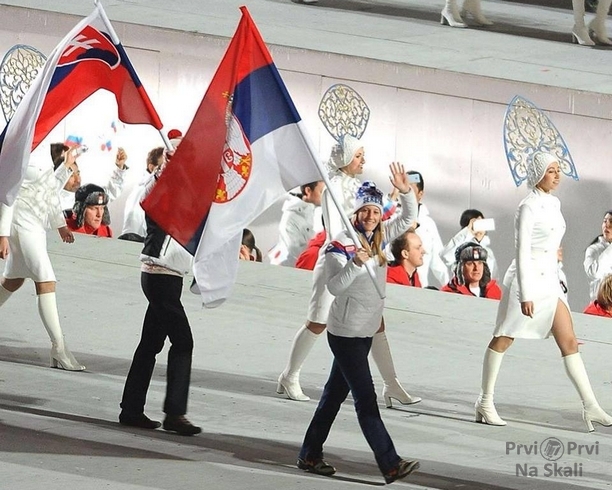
<point>89,58</point>
<point>246,146</point>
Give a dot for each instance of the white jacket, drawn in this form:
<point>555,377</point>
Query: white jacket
<point>432,244</point>
<point>295,229</point>
<point>357,308</point>
<point>597,264</point>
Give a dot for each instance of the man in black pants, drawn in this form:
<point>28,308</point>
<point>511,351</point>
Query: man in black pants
<point>164,263</point>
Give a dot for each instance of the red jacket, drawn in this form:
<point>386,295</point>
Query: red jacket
<point>491,291</point>
<point>594,308</point>
<point>308,258</point>
<point>397,275</point>
<point>102,231</point>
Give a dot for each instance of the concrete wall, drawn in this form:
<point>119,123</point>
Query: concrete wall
<point>445,124</point>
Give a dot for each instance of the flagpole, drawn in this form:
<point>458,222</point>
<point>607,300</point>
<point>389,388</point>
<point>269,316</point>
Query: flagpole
<point>115,39</point>
<point>347,224</point>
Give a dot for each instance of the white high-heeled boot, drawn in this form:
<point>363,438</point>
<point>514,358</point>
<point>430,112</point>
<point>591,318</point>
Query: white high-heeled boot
<point>450,15</point>
<point>592,412</point>
<point>580,33</point>
<point>485,409</point>
<point>597,27</point>
<point>381,353</point>
<point>61,357</point>
<point>289,380</point>
<point>472,7</point>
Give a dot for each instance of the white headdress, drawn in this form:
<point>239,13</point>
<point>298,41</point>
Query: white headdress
<point>532,142</point>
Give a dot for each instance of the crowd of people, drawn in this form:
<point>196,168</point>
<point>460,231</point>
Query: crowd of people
<point>353,251</point>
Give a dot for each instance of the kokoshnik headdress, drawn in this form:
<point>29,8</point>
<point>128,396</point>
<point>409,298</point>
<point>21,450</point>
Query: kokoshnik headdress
<point>345,115</point>
<point>18,69</point>
<point>528,134</point>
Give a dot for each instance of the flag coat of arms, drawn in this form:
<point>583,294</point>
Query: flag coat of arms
<point>89,58</point>
<point>246,147</point>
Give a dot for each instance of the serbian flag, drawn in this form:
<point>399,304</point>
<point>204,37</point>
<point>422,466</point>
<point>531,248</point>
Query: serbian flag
<point>89,58</point>
<point>245,148</point>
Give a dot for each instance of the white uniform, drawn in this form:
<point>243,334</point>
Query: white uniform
<point>432,244</point>
<point>345,188</point>
<point>134,220</point>
<point>463,236</point>
<point>597,264</point>
<point>295,229</point>
<point>35,210</point>
<point>533,275</point>
<point>357,308</point>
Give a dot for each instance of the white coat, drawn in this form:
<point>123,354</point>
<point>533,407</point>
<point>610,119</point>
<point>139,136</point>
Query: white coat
<point>357,308</point>
<point>432,244</point>
<point>345,188</point>
<point>597,264</point>
<point>533,275</point>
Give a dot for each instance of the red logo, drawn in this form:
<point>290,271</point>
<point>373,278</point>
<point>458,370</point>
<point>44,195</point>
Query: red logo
<point>236,163</point>
<point>90,44</point>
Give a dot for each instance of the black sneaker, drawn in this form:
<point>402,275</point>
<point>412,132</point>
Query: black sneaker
<point>403,469</point>
<point>180,425</point>
<point>139,420</point>
<point>318,466</point>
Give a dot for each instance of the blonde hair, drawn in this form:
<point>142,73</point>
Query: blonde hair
<point>604,293</point>
<point>376,247</point>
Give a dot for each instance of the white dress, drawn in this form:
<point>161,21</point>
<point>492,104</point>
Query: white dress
<point>533,275</point>
<point>345,188</point>
<point>35,210</point>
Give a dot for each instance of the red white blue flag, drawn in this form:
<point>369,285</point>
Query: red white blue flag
<point>244,149</point>
<point>88,59</point>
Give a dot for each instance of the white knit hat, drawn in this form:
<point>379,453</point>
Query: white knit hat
<point>537,168</point>
<point>368,195</point>
<point>342,153</point>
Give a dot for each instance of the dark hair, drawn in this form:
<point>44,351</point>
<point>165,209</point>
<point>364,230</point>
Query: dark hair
<point>56,150</point>
<point>310,185</point>
<point>400,244</point>
<point>154,155</point>
<point>596,239</point>
<point>468,215</point>
<point>248,240</point>
<point>421,184</point>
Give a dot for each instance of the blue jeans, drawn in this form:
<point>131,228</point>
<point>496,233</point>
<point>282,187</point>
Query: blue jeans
<point>350,371</point>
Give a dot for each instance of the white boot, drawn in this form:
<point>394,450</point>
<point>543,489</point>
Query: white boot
<point>5,294</point>
<point>472,7</point>
<point>289,380</point>
<point>591,412</point>
<point>450,15</point>
<point>580,33</point>
<point>485,409</point>
<point>381,353</point>
<point>61,357</point>
<point>597,27</point>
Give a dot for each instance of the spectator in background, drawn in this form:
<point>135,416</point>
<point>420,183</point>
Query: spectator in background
<point>408,254</point>
<point>113,188</point>
<point>297,224</point>
<point>472,276</point>
<point>248,249</point>
<point>134,225</point>
<point>468,234</point>
<point>598,256</point>
<point>90,212</point>
<point>432,243</point>
<point>602,306</point>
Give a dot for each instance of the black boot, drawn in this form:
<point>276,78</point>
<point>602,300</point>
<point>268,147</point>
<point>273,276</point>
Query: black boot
<point>139,420</point>
<point>180,425</point>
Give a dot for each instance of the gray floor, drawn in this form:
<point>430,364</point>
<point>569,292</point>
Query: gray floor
<point>530,41</point>
<point>58,429</point>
